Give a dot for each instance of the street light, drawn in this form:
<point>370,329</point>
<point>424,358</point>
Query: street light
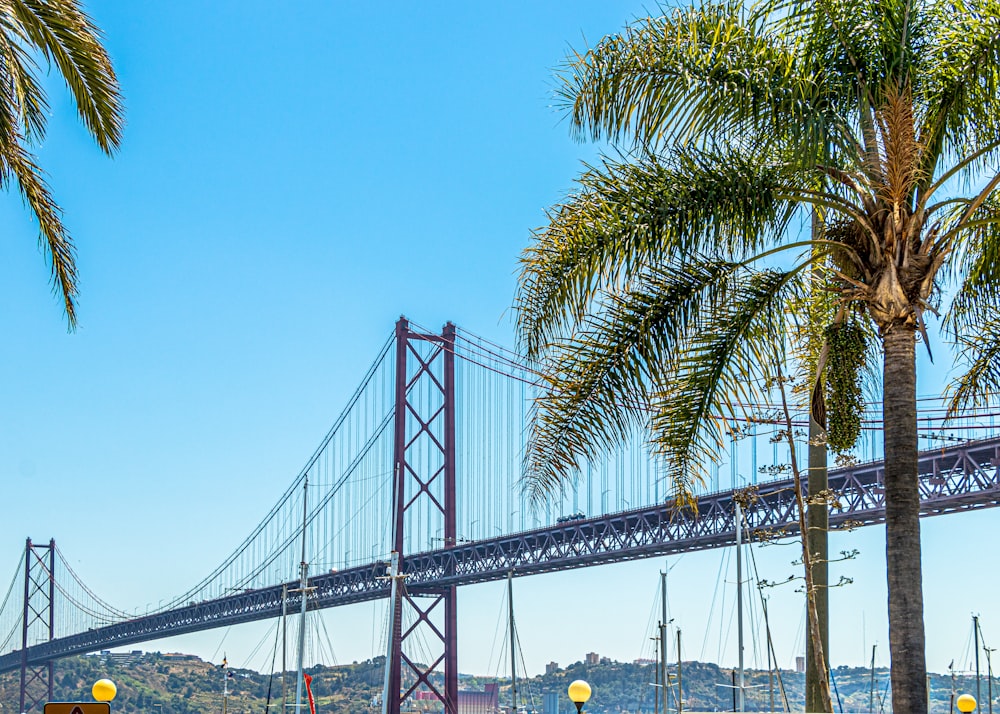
<point>104,690</point>
<point>579,693</point>
<point>966,703</point>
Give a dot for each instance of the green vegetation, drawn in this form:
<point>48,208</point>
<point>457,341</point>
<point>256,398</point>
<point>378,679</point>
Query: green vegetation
<point>174,684</point>
<point>845,367</point>
<point>179,684</point>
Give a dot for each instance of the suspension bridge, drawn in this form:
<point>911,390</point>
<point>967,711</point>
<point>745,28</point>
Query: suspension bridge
<point>433,439</point>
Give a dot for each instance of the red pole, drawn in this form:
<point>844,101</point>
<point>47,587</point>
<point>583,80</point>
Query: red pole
<point>450,529</point>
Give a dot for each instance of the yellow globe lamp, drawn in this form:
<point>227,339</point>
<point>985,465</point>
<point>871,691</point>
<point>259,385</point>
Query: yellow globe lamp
<point>966,703</point>
<point>579,693</point>
<point>104,690</point>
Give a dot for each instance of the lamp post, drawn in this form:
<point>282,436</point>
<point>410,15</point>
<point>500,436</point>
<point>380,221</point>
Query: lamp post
<point>966,703</point>
<point>104,690</point>
<point>579,693</point>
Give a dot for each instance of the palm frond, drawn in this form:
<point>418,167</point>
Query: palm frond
<point>627,217</point>
<point>597,383</point>
<point>700,73</point>
<point>980,349</point>
<point>901,150</point>
<point>976,268</point>
<point>728,361</point>
<point>19,165</point>
<point>22,92</point>
<point>67,37</point>
<point>961,89</point>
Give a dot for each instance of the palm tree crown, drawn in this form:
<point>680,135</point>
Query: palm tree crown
<point>658,293</point>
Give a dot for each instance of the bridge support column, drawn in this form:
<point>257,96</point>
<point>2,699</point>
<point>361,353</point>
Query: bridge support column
<point>37,622</point>
<point>424,489</point>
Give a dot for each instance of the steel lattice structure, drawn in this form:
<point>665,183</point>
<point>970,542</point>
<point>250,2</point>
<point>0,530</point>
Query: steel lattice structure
<point>954,479</point>
<point>38,619</point>
<point>424,480</point>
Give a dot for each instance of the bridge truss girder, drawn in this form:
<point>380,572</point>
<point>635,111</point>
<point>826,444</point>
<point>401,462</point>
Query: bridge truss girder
<point>958,478</point>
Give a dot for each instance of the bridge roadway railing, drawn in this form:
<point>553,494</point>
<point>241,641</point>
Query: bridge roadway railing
<point>952,479</point>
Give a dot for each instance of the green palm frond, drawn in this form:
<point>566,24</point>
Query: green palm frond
<point>962,86</point>
<point>726,363</point>
<point>598,382</point>
<point>702,73</point>
<point>976,269</point>
<point>69,39</point>
<point>627,217</point>
<point>62,34</point>
<point>17,164</point>
<point>22,93</point>
<point>980,349</point>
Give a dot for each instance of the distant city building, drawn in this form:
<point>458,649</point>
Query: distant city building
<point>644,661</point>
<point>469,701</point>
<point>551,703</point>
<point>800,664</point>
<point>122,657</point>
<point>484,702</point>
<point>593,658</point>
<point>551,668</point>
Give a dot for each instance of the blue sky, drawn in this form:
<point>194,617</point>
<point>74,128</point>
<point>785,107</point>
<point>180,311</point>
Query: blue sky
<point>292,179</point>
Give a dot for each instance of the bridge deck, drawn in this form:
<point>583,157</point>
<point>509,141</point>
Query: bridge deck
<point>953,479</point>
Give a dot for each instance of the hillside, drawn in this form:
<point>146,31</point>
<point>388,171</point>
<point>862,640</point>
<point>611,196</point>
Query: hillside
<point>183,684</point>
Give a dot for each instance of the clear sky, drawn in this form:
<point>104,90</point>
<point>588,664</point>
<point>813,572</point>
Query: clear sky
<point>293,177</point>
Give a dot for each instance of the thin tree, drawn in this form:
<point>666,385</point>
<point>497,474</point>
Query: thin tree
<point>45,34</point>
<point>647,291</point>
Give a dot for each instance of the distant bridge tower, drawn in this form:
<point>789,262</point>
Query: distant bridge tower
<point>424,488</point>
<point>37,622</point>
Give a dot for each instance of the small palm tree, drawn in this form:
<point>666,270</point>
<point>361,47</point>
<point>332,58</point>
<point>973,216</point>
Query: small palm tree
<point>57,33</point>
<point>658,292</point>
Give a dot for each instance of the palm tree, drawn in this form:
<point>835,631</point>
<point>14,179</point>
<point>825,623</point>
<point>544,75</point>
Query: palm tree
<point>57,33</point>
<point>657,292</point>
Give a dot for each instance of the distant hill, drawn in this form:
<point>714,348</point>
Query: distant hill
<point>159,683</point>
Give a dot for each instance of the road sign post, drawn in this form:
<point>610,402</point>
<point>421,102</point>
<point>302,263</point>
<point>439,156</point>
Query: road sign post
<point>77,708</point>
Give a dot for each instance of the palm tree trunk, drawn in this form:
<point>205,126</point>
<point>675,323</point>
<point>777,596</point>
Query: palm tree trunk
<point>818,515</point>
<point>815,639</point>
<point>818,522</point>
<point>902,522</point>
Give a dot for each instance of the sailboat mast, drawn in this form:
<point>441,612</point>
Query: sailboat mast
<point>989,678</point>
<point>739,602</point>
<point>770,678</point>
<point>656,676</point>
<point>951,702</point>
<point>303,585</point>
<point>871,693</point>
<point>773,657</point>
<point>394,594</point>
<point>513,659</point>
<point>663,639</point>
<point>975,632</point>
<point>680,692</point>
<point>284,648</point>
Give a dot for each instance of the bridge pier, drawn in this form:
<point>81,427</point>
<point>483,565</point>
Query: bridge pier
<point>424,462</point>
<point>37,618</point>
